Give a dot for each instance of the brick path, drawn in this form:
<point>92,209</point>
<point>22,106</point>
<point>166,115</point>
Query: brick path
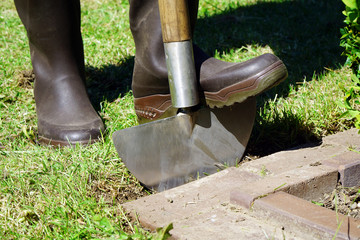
<point>263,199</point>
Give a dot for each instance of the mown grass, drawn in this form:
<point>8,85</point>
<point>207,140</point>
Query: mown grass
<point>73,193</point>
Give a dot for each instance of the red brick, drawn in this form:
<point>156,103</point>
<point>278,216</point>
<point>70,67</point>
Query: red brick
<point>299,215</point>
<point>292,159</point>
<point>349,138</point>
<point>348,165</point>
<point>181,202</point>
<point>308,182</point>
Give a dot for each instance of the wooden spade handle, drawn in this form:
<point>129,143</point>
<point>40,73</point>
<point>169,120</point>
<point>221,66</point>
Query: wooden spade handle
<point>175,23</point>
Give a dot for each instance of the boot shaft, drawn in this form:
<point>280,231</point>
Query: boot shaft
<point>150,72</point>
<point>145,20</point>
<point>53,29</point>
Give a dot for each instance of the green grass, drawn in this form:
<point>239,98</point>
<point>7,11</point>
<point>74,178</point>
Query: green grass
<point>73,193</point>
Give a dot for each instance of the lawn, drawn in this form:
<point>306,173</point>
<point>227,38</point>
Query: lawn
<point>71,193</point>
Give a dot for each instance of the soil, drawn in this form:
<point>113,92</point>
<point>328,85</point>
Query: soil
<point>113,188</point>
<point>343,200</point>
<point>25,79</point>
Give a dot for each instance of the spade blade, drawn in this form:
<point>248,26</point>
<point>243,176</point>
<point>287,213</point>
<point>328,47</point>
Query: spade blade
<point>170,152</point>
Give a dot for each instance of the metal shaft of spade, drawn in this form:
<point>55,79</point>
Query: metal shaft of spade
<point>176,32</point>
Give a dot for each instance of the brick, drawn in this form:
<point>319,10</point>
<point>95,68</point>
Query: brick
<point>350,174</point>
<point>224,222</point>
<point>292,159</point>
<point>201,210</point>
<point>242,198</point>
<point>184,201</point>
<point>312,221</point>
<point>342,159</point>
<point>308,182</point>
<point>349,138</point>
<point>348,165</point>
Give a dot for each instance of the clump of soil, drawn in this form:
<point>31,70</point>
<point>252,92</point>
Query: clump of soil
<point>25,79</point>
<point>113,188</point>
<point>343,200</point>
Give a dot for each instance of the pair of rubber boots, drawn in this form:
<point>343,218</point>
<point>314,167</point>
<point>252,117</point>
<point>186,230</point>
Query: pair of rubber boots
<point>65,114</point>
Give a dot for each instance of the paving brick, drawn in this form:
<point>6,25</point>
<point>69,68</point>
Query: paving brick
<point>243,198</point>
<point>308,182</point>
<point>342,159</point>
<point>350,174</point>
<point>201,210</point>
<point>349,138</point>
<point>224,222</point>
<point>286,160</point>
<point>348,165</point>
<point>313,221</point>
<point>181,202</point>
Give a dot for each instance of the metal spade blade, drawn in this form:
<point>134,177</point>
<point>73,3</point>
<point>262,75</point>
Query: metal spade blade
<point>169,152</point>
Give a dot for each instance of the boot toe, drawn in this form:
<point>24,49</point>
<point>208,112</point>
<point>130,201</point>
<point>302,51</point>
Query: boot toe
<point>67,135</point>
<point>227,83</point>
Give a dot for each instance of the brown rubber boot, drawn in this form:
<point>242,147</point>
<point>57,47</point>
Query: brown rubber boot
<point>221,83</point>
<point>65,114</point>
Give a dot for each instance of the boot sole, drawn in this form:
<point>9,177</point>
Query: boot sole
<point>236,93</point>
<point>43,141</point>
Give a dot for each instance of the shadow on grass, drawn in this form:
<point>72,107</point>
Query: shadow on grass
<point>109,81</point>
<point>303,33</point>
<point>279,131</point>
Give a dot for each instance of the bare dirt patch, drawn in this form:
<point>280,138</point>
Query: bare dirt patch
<point>114,189</point>
<point>25,79</point>
<point>343,200</point>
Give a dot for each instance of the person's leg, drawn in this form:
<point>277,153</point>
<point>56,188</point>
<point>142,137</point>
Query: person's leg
<point>65,114</point>
<point>222,83</point>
